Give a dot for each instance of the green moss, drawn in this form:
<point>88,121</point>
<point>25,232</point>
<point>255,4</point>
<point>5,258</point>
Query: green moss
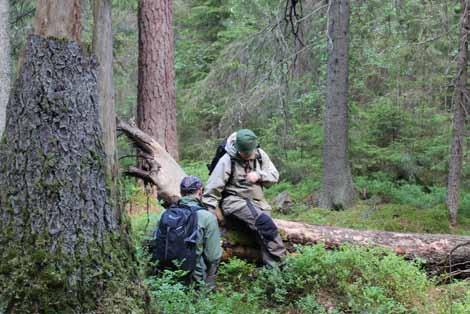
<point>240,238</point>
<point>33,277</point>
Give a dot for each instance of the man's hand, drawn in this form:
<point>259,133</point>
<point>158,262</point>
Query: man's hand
<point>220,217</point>
<point>218,214</point>
<point>253,177</point>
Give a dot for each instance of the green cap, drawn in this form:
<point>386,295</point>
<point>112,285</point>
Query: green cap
<point>246,141</point>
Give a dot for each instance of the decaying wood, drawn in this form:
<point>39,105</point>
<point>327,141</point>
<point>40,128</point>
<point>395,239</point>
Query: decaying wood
<point>433,249</point>
<point>59,19</point>
<point>160,170</point>
<point>103,50</point>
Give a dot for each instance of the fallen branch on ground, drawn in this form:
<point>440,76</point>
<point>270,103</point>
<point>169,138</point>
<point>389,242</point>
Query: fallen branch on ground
<point>433,249</point>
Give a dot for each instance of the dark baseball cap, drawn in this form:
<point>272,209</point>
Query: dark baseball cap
<point>190,184</point>
<point>246,141</point>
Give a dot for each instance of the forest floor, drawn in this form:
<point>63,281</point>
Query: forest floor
<point>350,280</point>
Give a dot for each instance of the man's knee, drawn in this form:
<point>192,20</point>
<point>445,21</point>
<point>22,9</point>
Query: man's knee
<point>266,227</point>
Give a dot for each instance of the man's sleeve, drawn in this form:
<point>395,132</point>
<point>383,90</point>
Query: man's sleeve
<point>216,183</point>
<point>268,173</point>
<point>212,245</point>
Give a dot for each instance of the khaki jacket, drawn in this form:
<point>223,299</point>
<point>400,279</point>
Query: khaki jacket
<point>232,188</point>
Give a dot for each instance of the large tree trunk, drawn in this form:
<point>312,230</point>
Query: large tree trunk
<point>461,108</point>
<point>63,247</point>
<point>156,108</point>
<point>337,187</point>
<point>4,61</point>
<point>103,50</point>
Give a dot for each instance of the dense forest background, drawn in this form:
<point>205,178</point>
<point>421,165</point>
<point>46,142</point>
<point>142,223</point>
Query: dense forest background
<point>262,64</point>
<point>248,63</point>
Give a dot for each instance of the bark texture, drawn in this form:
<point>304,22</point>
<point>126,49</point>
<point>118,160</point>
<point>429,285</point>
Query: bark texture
<point>103,50</point>
<point>156,109</point>
<point>433,249</point>
<point>62,249</point>
<point>159,168</point>
<point>58,19</point>
<point>337,186</point>
<point>461,110</point>
<point>4,61</point>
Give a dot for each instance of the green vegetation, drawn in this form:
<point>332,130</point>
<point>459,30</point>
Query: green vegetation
<point>390,206</point>
<point>233,69</point>
<point>238,64</point>
<point>313,280</point>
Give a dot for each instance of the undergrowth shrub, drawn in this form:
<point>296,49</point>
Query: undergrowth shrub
<point>373,279</point>
<point>312,280</point>
<point>171,296</point>
<point>236,273</point>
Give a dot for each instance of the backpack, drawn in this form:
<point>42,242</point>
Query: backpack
<point>220,152</point>
<point>175,238</point>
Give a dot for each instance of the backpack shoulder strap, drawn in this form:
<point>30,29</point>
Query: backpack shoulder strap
<point>259,159</point>
<point>232,168</point>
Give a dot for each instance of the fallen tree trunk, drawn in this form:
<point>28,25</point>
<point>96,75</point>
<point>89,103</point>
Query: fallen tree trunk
<point>159,169</point>
<point>436,251</point>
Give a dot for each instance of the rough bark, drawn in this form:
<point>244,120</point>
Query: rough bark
<point>156,109</point>
<point>61,243</point>
<point>461,109</point>
<point>4,61</point>
<point>433,249</point>
<point>337,186</point>
<point>103,50</point>
<point>159,168</point>
<point>58,19</point>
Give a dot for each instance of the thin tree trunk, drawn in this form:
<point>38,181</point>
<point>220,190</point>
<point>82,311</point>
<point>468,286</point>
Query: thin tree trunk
<point>4,61</point>
<point>461,106</point>
<point>59,19</point>
<point>103,50</point>
<point>337,190</point>
<point>156,108</point>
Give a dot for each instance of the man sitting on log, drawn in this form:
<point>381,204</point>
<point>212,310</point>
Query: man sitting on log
<point>236,184</point>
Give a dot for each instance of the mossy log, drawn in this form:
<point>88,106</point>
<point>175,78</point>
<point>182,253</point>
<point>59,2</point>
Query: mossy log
<point>436,251</point>
<point>64,247</point>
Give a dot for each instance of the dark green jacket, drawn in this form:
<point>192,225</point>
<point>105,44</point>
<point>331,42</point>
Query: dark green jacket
<point>208,243</point>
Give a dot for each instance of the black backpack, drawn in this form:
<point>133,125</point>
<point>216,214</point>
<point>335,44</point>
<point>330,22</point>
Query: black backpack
<point>175,239</point>
<point>220,152</point>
